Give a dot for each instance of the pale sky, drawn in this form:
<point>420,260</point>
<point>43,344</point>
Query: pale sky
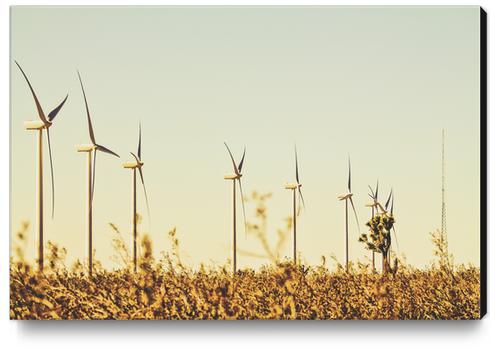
<point>376,83</point>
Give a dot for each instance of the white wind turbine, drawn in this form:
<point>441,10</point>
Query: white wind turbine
<point>374,205</point>
<point>295,186</point>
<point>348,198</point>
<point>236,176</point>
<point>378,208</point>
<point>43,124</point>
<point>90,149</point>
<point>391,198</point>
<point>137,165</point>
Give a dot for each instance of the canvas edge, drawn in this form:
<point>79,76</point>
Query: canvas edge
<point>483,162</point>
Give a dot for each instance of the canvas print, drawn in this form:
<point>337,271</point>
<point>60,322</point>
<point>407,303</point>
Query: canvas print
<point>229,163</point>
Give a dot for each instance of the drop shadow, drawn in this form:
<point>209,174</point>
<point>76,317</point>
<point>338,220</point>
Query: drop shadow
<point>36,329</point>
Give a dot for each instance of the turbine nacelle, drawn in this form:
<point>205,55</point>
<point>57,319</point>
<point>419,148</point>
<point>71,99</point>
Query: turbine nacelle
<point>292,186</point>
<point>132,165</point>
<point>36,125</point>
<point>86,148</point>
<point>233,176</point>
<point>345,196</point>
<point>377,205</point>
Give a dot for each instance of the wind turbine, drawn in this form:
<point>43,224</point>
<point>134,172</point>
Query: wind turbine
<point>91,150</point>
<point>43,124</point>
<point>374,205</point>
<point>391,198</point>
<point>348,197</point>
<point>137,165</point>
<point>295,186</point>
<point>236,176</point>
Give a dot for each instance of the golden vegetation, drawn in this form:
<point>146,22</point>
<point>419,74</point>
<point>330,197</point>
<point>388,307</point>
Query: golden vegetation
<point>282,292</point>
<point>167,289</point>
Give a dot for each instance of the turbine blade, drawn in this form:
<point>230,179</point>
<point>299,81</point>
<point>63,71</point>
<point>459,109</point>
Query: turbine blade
<point>301,197</point>
<point>349,182</point>
<point>389,198</point>
<point>38,105</point>
<point>143,182</point>
<point>144,189</point>
<point>296,164</point>
<point>55,111</point>
<point>355,213</point>
<point>298,213</point>
<point>93,178</point>
<point>90,127</point>
<point>392,202</point>
<point>136,158</point>
<point>233,160</point>
<point>372,195</point>
<point>241,161</point>
<point>106,150</point>
<point>243,206</point>
<point>139,142</point>
<point>52,173</point>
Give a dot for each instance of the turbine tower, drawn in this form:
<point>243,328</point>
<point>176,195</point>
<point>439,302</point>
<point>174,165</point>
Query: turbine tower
<point>91,150</point>
<point>236,176</point>
<point>295,186</point>
<point>136,165</point>
<point>374,207</point>
<point>348,198</point>
<point>43,124</point>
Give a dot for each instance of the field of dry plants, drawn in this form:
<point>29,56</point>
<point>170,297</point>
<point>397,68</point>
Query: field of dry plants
<point>168,290</point>
<point>279,292</point>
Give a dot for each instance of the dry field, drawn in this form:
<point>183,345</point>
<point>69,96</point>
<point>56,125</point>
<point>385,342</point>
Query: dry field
<point>167,289</point>
<point>280,292</point>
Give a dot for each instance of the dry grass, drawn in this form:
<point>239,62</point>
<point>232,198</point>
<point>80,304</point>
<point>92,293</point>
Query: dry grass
<point>167,289</point>
<point>279,292</point>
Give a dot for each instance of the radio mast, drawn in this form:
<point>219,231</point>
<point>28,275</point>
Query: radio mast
<point>443,203</point>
